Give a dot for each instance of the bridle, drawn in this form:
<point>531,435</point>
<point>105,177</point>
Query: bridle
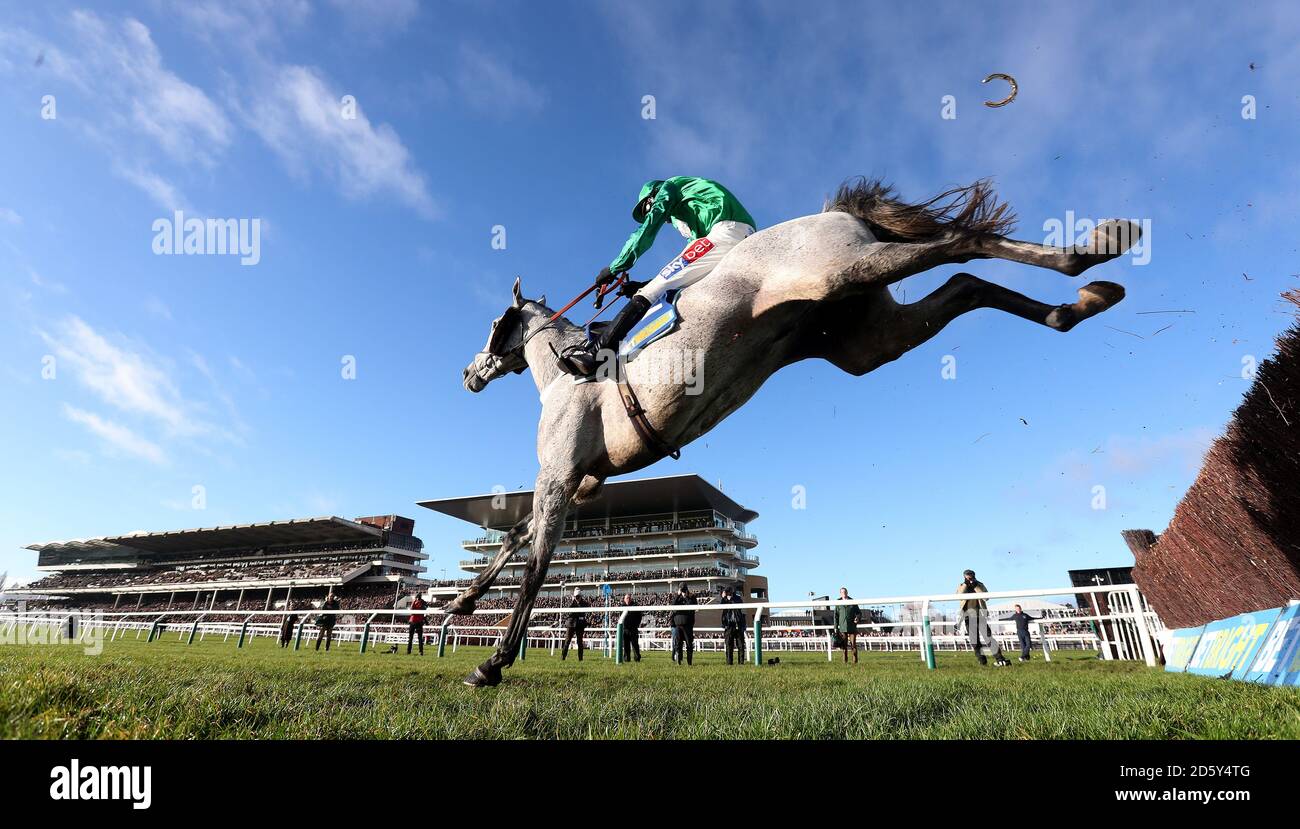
<point>640,421</point>
<point>506,322</point>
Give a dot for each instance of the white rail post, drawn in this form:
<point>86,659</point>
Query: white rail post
<point>1144,632</point>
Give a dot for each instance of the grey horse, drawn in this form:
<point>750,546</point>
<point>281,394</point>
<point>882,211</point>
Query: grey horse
<point>812,287</point>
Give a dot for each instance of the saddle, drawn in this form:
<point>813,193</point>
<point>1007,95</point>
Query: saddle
<point>658,322</point>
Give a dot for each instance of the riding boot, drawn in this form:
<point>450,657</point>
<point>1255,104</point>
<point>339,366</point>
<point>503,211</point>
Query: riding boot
<point>582,362</point>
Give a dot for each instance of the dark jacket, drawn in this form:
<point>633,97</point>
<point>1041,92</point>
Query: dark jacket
<point>631,619</point>
<point>733,618</point>
<point>683,618</point>
<point>1022,620</point>
<point>577,620</point>
<point>327,620</point>
<point>847,617</point>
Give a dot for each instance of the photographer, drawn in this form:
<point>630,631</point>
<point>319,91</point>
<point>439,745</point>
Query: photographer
<point>631,641</point>
<point>976,615</point>
<point>683,625</point>
<point>415,628</point>
<point>733,626</point>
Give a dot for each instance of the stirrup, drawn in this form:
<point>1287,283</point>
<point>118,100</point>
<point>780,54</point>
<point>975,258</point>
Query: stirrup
<point>577,360</point>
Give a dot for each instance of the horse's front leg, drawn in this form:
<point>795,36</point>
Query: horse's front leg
<point>517,538</point>
<point>551,500</point>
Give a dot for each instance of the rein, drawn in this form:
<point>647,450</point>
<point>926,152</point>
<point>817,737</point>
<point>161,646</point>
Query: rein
<point>603,292</point>
<point>640,421</point>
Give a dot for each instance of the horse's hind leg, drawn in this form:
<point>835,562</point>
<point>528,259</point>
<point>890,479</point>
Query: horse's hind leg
<point>515,539</point>
<point>881,330</point>
<point>1109,240</point>
<point>965,292</point>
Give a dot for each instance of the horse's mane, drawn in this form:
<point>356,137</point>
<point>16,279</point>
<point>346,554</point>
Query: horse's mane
<point>971,209</point>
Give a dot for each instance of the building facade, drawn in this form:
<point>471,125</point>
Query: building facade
<point>242,567</point>
<point>646,537</point>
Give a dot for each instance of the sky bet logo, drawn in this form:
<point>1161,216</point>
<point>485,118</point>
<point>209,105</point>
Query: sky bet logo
<point>77,782</point>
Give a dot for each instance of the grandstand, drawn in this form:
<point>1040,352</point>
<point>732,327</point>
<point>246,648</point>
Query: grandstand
<point>369,562</point>
<point>645,536</point>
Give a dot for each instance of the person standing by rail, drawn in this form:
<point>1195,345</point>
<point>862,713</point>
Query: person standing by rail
<point>325,621</point>
<point>847,617</point>
<point>683,624</point>
<point>975,613</point>
<point>415,626</point>
<point>286,626</point>
<point>631,621</point>
<point>733,625</point>
<point>575,624</point>
<point>1022,620</point>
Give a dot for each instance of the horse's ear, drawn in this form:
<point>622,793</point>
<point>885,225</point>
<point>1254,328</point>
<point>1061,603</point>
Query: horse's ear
<point>541,300</point>
<point>519,295</point>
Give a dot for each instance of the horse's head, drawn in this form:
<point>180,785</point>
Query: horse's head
<point>504,353</point>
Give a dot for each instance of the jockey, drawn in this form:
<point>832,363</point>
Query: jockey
<point>704,212</point>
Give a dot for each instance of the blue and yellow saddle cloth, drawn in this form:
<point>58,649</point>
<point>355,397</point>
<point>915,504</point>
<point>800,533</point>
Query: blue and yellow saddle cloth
<point>658,322</point>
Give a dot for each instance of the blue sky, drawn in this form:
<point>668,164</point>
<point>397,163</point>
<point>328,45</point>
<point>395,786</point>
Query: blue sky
<point>181,371</point>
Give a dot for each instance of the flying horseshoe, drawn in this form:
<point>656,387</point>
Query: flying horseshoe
<point>1014,89</point>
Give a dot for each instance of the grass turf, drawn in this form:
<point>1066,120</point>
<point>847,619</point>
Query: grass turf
<point>213,690</point>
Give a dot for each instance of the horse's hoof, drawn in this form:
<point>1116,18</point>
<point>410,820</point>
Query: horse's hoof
<point>1096,297</point>
<point>1114,237</point>
<point>1110,239</point>
<point>480,678</point>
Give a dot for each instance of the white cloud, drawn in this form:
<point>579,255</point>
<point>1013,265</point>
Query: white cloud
<point>251,24</point>
<point>79,457</point>
<point>117,436</point>
<point>490,86</point>
<point>10,216</point>
<point>41,282</point>
<point>158,308</point>
<point>301,118</point>
<point>164,194</point>
<point>125,379</point>
<point>377,16</point>
<point>121,65</point>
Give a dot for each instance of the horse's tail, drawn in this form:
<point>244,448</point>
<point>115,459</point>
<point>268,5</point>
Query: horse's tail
<point>972,209</point>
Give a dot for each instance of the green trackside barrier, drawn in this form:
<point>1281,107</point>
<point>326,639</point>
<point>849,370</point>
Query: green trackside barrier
<point>758,637</point>
<point>153,631</point>
<point>442,637</point>
<point>297,641</point>
<point>194,628</point>
<point>618,645</point>
<point>523,645</point>
<point>365,634</point>
<point>929,644</point>
<point>243,631</point>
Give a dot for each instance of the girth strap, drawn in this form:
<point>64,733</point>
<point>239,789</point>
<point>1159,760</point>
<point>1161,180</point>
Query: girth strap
<point>641,423</point>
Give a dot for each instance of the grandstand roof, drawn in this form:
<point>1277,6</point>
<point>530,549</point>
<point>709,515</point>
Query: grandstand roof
<point>643,496</point>
<point>324,530</point>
